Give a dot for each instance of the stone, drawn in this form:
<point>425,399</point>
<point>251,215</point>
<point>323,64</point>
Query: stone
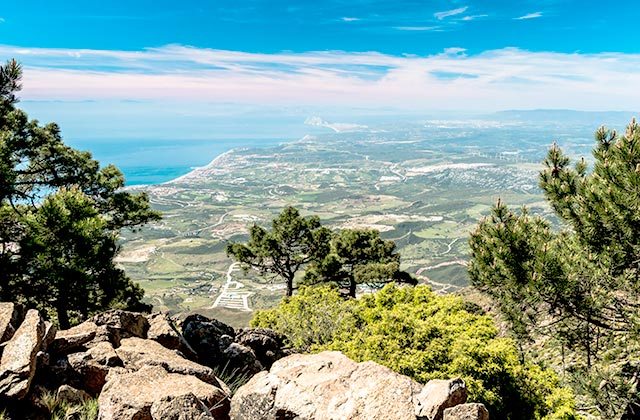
<point>162,330</point>
<point>469,411</point>
<point>182,407</point>
<point>49,335</point>
<point>267,345</point>
<point>438,395</point>
<point>122,324</point>
<point>241,359</point>
<point>326,386</point>
<point>11,315</point>
<point>90,368</point>
<point>71,395</point>
<point>204,335</point>
<point>136,353</point>
<point>74,338</point>
<point>132,395</point>
<point>18,363</point>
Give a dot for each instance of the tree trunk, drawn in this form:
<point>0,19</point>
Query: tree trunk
<point>63,316</point>
<point>290,286</point>
<point>352,288</point>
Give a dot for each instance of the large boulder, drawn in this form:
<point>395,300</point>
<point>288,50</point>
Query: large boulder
<point>327,385</point>
<point>89,369</point>
<point>163,330</point>
<point>438,395</point>
<point>131,396</point>
<point>18,363</point>
<point>267,345</point>
<point>208,337</point>
<point>471,411</point>
<point>74,338</point>
<point>120,324</point>
<point>11,315</point>
<point>136,353</point>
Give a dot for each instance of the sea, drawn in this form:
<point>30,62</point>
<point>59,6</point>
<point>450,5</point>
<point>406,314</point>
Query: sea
<point>151,162</point>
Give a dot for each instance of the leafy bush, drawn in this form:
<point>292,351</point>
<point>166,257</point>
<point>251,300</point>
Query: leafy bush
<point>425,336</point>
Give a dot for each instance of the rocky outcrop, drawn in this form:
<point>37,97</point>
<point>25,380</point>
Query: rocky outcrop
<point>438,395</point>
<point>18,363</point>
<point>472,411</point>
<point>133,395</point>
<point>141,367</point>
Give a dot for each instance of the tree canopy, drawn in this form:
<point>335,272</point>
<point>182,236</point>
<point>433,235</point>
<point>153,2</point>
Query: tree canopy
<point>579,284</point>
<point>60,217</point>
<point>293,242</point>
<point>359,256</point>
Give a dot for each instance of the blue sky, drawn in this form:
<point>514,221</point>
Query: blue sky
<point>267,26</point>
<point>143,67</point>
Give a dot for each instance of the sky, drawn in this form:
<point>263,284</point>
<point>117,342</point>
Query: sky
<point>167,63</point>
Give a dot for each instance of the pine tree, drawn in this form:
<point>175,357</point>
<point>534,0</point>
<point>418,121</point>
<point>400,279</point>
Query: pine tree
<point>60,216</point>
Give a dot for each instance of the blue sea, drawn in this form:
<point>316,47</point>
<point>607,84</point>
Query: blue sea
<point>148,162</point>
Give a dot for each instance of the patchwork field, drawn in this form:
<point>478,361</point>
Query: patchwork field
<point>423,185</point>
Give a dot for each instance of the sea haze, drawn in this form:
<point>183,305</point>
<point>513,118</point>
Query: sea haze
<point>150,162</point>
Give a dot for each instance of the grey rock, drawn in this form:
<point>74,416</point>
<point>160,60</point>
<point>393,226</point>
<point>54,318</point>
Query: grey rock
<point>131,396</point>
<point>181,407</point>
<point>470,411</point>
<point>163,330</point>
<point>18,363</point>
<point>71,395</point>
<point>74,338</point>
<point>121,324</point>
<point>438,395</point>
<point>326,386</point>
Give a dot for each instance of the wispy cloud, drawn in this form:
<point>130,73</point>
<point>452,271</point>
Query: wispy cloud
<point>2,20</point>
<point>474,17</point>
<point>416,28</point>
<point>528,16</point>
<point>498,79</point>
<point>448,13</point>
<point>349,19</point>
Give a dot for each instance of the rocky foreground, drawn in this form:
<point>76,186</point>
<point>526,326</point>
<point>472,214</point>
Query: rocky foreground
<point>143,367</point>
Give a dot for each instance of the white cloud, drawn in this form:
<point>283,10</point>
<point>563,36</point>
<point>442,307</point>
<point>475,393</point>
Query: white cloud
<point>2,20</point>
<point>528,16</point>
<point>493,80</point>
<point>474,17</point>
<point>350,19</point>
<point>448,13</point>
<point>416,28</point>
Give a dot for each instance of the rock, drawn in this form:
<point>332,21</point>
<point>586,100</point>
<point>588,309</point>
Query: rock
<point>267,345</point>
<point>323,386</point>
<point>90,368</point>
<point>162,330</point>
<point>132,395</point>
<point>122,324</point>
<point>136,353</point>
<point>471,411</point>
<point>438,395</point>
<point>241,359</point>
<point>74,338</point>
<point>182,407</point>
<point>71,395</point>
<point>11,315</point>
<point>18,363</point>
<point>204,335</point>
<point>49,334</point>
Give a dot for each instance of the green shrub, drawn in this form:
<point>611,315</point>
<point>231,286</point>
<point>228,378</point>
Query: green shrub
<point>425,336</point>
